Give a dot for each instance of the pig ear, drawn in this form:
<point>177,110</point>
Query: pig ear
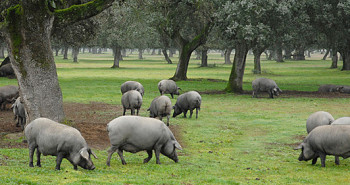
<point>177,145</point>
<point>84,153</point>
<point>299,147</point>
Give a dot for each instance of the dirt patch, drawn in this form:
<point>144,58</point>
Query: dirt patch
<point>90,119</point>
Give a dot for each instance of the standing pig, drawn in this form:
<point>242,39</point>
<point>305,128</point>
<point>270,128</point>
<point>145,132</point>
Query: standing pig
<point>317,119</point>
<point>188,101</point>
<point>160,106</point>
<point>329,88</point>
<point>134,134</point>
<point>52,138</point>
<point>326,140</point>
<point>7,94</point>
<point>132,85</point>
<point>265,85</point>
<point>132,100</point>
<point>19,112</point>
<point>168,87</point>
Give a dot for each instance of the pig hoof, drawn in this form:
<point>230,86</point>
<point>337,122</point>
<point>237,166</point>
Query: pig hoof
<point>31,165</point>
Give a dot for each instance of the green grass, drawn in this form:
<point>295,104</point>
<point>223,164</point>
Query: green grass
<point>236,139</point>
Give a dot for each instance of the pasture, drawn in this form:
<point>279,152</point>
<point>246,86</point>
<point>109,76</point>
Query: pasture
<point>236,139</point>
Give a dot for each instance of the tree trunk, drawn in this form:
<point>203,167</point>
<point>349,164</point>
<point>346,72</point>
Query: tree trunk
<point>140,54</point>
<point>346,60</point>
<point>257,55</point>
<point>288,54</point>
<point>75,52</point>
<point>159,51</point>
<point>227,55</point>
<point>334,59</point>
<point>171,53</point>
<point>123,53</point>
<point>299,54</point>
<point>270,54</point>
<point>153,52</point>
<point>325,55</point>
<point>166,56</point>
<point>57,51</point>
<point>204,59</point>
<point>28,40</point>
<point>94,50</point>
<point>278,52</point>
<point>236,77</point>
<point>198,55</point>
<point>117,55</point>
<point>65,53</point>
<point>2,52</point>
<point>182,66</point>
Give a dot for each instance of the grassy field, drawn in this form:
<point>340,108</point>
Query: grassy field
<point>235,140</point>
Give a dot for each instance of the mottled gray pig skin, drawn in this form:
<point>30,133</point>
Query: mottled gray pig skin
<point>135,133</point>
<point>7,93</point>
<point>188,101</point>
<point>48,137</point>
<point>329,88</point>
<point>265,85</point>
<point>317,119</point>
<point>132,100</point>
<point>19,112</point>
<point>132,85</point>
<point>326,140</point>
<point>168,87</point>
<point>160,107</point>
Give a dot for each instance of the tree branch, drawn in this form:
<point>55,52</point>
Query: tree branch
<point>77,13</point>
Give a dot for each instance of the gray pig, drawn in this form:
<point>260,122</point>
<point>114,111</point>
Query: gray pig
<point>51,138</point>
<point>317,119</point>
<point>132,100</point>
<point>326,140</point>
<point>132,85</point>
<point>188,101</point>
<point>265,85</point>
<point>19,112</point>
<point>329,88</point>
<point>7,71</point>
<point>342,121</point>
<point>134,134</point>
<point>160,107</point>
<point>168,87</point>
<point>344,89</point>
<point>7,94</point>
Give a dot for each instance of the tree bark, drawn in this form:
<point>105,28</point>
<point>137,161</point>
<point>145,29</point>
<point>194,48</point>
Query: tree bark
<point>227,55</point>
<point>346,60</point>
<point>2,52</point>
<point>257,55</point>
<point>325,55</point>
<point>65,53</point>
<point>204,58</point>
<point>75,52</point>
<point>299,54</point>
<point>57,51</point>
<point>166,56</point>
<point>288,54</point>
<point>278,52</point>
<point>117,55</point>
<point>237,72</point>
<point>28,40</point>
<point>140,53</point>
<point>334,59</point>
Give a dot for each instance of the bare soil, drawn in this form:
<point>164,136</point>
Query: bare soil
<point>90,119</point>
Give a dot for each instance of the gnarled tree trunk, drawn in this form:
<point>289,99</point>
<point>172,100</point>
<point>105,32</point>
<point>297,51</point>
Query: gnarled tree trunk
<point>227,55</point>
<point>75,53</point>
<point>117,55</point>
<point>346,60</point>
<point>257,54</point>
<point>334,59</point>
<point>166,56</point>
<point>65,53</point>
<point>236,77</point>
<point>204,59</point>
<point>278,52</point>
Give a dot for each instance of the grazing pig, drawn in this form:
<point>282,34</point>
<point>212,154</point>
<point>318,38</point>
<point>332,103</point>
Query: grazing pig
<point>132,100</point>
<point>326,140</point>
<point>344,89</point>
<point>7,71</point>
<point>342,121</point>
<point>317,119</point>
<point>132,85</point>
<point>168,87</point>
<point>265,85</point>
<point>188,101</point>
<point>52,138</point>
<point>19,112</point>
<point>7,94</point>
<point>134,134</point>
<point>329,88</point>
<point>160,106</point>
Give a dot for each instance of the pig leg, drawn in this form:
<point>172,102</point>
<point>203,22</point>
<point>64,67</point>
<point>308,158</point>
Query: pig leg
<point>149,152</point>
<point>59,160</point>
<point>31,153</point>
<point>38,162</point>
<point>191,112</point>
<point>323,159</point>
<point>110,153</point>
<point>167,120</point>
<point>124,110</point>
<point>157,152</point>
<point>172,95</point>
<point>314,160</point>
<point>185,112</point>
<point>196,113</point>
<point>120,153</point>
<point>337,160</point>
<point>132,111</point>
<point>137,111</point>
